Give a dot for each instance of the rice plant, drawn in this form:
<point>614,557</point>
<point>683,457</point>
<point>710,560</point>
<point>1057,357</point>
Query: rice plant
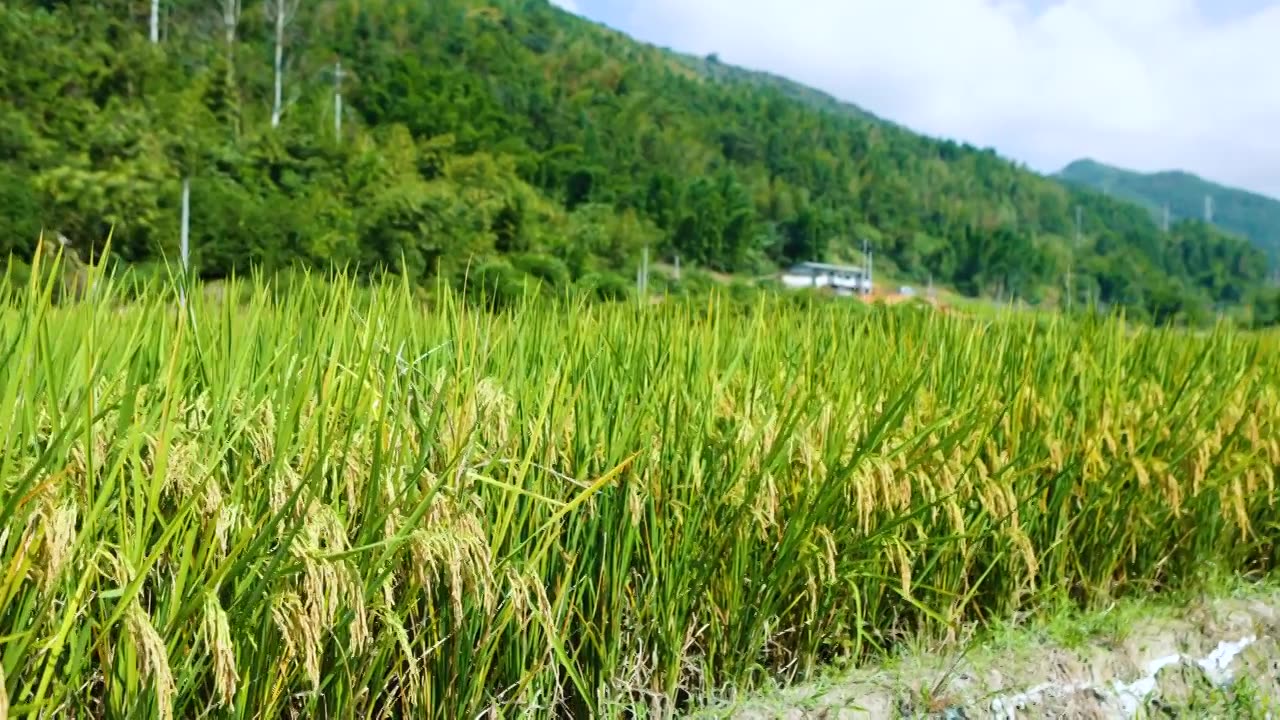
<point>331,500</point>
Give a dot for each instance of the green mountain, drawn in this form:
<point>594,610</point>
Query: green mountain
<point>1251,215</point>
<point>714,69</point>
<point>504,139</point>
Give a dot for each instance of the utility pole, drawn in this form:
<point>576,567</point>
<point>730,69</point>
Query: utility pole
<point>155,22</point>
<point>645,265</point>
<point>337,100</point>
<point>230,23</point>
<point>1166,217</point>
<point>282,11</point>
<point>865,290</point>
<point>642,275</point>
<point>867,255</point>
<point>1069,287</point>
<point>1071,259</point>
<point>1208,209</point>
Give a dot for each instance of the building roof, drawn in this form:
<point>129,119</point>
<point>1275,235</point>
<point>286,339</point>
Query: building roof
<point>826,266</point>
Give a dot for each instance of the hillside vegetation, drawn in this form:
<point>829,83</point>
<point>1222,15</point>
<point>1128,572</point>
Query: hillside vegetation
<point>1248,214</point>
<point>510,139</point>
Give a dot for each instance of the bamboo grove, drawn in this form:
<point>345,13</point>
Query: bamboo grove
<point>334,501</point>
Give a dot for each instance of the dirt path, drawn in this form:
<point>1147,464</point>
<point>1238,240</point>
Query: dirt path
<point>1217,658</point>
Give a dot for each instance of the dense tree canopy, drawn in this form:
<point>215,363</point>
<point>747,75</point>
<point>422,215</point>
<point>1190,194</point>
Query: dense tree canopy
<point>510,135</point>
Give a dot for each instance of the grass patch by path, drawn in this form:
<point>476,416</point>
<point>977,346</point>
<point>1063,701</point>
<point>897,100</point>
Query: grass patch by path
<point>1210,651</point>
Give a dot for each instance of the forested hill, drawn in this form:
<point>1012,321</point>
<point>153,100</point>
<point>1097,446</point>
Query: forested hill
<point>1254,216</point>
<point>714,69</point>
<point>516,138</point>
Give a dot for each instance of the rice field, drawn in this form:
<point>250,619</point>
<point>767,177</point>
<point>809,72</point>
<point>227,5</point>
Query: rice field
<point>334,501</point>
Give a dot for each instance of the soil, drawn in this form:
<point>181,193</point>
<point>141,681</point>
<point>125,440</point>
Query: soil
<point>1218,658</point>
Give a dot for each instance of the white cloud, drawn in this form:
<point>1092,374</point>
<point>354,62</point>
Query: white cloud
<point>1147,84</point>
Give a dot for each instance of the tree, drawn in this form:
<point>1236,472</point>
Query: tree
<point>513,129</point>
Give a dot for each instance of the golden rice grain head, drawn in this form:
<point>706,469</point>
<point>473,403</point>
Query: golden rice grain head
<point>635,502</point>
<point>217,636</point>
<point>453,544</point>
<point>812,591</point>
<point>1241,512</point>
<point>1025,548</point>
<point>229,516</point>
<point>1141,471</point>
<point>696,476</point>
<point>185,476</point>
<point>656,448</point>
<point>411,681</point>
<point>768,504</point>
<point>980,470</point>
<point>393,484</point>
<point>993,499</point>
<point>154,657</point>
<point>956,515</point>
<point>283,482</point>
<point>1171,488</point>
<point>196,413</point>
<point>327,584</point>
<point>864,486</point>
<point>262,434</point>
<point>898,555</point>
<point>807,453</point>
<point>1251,478</point>
<point>520,595</point>
<point>900,484</point>
<point>458,424</point>
<point>826,554</point>
<point>1109,439</point>
<point>59,528</point>
<point>1056,454</point>
<point>299,633</point>
<point>497,408</point>
<point>1203,458</point>
<point>358,628</point>
<point>352,473</point>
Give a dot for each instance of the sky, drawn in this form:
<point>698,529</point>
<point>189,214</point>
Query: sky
<point>1144,84</point>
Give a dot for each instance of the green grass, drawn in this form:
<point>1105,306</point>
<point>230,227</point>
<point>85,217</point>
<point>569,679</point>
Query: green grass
<point>1061,644</point>
<point>333,501</point>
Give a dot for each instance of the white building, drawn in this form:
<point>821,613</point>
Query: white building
<point>843,279</point>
